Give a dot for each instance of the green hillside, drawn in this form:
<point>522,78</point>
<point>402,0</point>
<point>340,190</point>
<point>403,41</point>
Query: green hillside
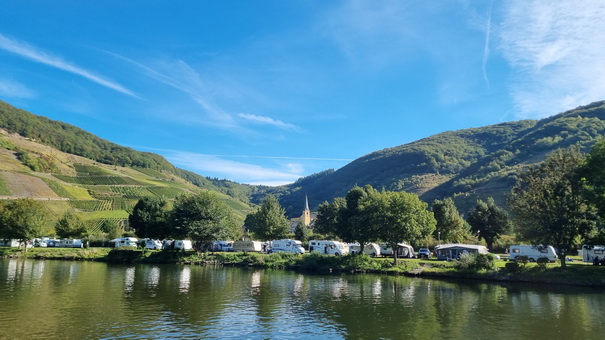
<point>465,164</point>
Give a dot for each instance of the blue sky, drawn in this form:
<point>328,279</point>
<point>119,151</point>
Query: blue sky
<point>266,92</point>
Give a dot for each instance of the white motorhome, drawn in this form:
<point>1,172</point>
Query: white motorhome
<point>533,253</point>
<point>152,244</point>
<point>248,246</point>
<point>124,242</point>
<point>328,247</point>
<point>593,254</point>
<point>221,246</point>
<point>71,243</point>
<point>286,246</point>
<point>371,249</point>
<point>182,245</point>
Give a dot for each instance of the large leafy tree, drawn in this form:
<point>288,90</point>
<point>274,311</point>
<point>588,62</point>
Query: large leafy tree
<point>202,218</point>
<point>328,216</point>
<point>269,222</point>
<point>21,219</point>
<point>489,221</point>
<point>548,203</point>
<point>593,174</point>
<point>399,217</point>
<point>70,225</point>
<point>450,227</point>
<point>150,218</point>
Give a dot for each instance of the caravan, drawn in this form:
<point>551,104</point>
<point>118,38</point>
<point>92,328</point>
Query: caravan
<point>371,249</point>
<point>328,247</point>
<point>124,242</point>
<point>248,246</point>
<point>71,243</point>
<point>286,246</point>
<point>221,246</point>
<point>593,254</point>
<point>533,253</point>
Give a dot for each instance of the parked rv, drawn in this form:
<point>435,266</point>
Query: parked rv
<point>371,249</point>
<point>403,250</point>
<point>453,251</point>
<point>152,244</point>
<point>182,244</point>
<point>593,254</point>
<point>71,243</point>
<point>533,253</point>
<point>124,242</point>
<point>9,243</point>
<point>221,246</point>
<point>328,247</point>
<point>248,246</point>
<point>286,246</point>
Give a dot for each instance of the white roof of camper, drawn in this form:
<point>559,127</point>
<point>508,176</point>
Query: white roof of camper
<point>459,245</point>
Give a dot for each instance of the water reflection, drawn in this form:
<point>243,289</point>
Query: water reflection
<point>94,300</point>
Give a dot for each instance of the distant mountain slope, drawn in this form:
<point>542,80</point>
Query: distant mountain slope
<point>73,140</point>
<point>464,164</point>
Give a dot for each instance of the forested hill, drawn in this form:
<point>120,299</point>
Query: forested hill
<point>73,140</point>
<point>464,164</point>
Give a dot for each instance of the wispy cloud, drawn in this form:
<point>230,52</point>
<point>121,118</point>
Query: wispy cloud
<point>238,171</point>
<point>556,51</point>
<point>13,89</point>
<point>488,31</point>
<point>30,52</point>
<point>262,120</point>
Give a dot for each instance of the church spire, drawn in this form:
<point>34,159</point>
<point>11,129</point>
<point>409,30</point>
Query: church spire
<point>306,203</point>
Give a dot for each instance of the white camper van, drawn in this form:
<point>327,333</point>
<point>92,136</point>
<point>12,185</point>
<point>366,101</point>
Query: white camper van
<point>221,246</point>
<point>248,246</point>
<point>124,242</point>
<point>71,243</point>
<point>371,249</point>
<point>152,244</point>
<point>328,247</point>
<point>533,253</point>
<point>593,254</point>
<point>182,245</point>
<point>286,246</point>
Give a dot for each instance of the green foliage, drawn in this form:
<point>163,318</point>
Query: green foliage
<point>150,218</point>
<point>70,225</point>
<point>451,227</point>
<point>549,205</point>
<point>21,219</point>
<point>4,188</point>
<point>269,222</point>
<point>302,233</point>
<point>489,221</point>
<point>37,162</point>
<point>476,262</point>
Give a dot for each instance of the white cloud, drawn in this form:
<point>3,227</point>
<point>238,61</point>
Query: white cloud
<point>556,51</point>
<point>236,171</point>
<point>30,52</point>
<point>262,120</point>
<point>9,88</point>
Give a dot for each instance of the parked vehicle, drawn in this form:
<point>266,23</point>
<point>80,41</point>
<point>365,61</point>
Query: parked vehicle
<point>371,249</point>
<point>453,251</point>
<point>328,247</point>
<point>533,253</point>
<point>286,246</point>
<point>249,246</point>
<point>221,246</point>
<point>53,243</point>
<point>152,244</point>
<point>182,244</point>
<point>593,254</point>
<point>71,243</point>
<point>403,250</point>
<point>423,253</point>
<point>124,242</point>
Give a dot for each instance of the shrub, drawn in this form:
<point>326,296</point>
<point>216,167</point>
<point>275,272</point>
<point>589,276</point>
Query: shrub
<point>476,261</point>
<point>512,267</point>
<point>542,262</point>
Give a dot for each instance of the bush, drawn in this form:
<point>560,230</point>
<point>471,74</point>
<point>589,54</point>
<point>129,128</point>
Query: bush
<point>542,262</point>
<point>512,267</point>
<point>476,261</point>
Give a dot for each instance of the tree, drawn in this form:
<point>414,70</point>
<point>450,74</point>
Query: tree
<point>593,173</point>
<point>150,218</point>
<point>450,227</point>
<point>548,203</point>
<point>399,217</point>
<point>112,228</point>
<point>328,216</point>
<point>488,220</point>
<point>302,233</point>
<point>70,225</point>
<point>353,225</point>
<point>21,219</point>
<point>269,222</point>
<point>202,217</point>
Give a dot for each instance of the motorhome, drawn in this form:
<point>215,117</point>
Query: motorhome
<point>533,253</point>
<point>248,246</point>
<point>221,246</point>
<point>9,243</point>
<point>71,243</point>
<point>124,242</point>
<point>593,254</point>
<point>152,244</point>
<point>328,247</point>
<point>453,251</point>
<point>371,249</point>
<point>286,246</point>
<point>182,244</point>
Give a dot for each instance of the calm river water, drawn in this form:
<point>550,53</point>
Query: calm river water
<point>87,300</point>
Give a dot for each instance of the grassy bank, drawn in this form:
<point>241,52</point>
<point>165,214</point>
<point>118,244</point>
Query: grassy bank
<point>576,273</point>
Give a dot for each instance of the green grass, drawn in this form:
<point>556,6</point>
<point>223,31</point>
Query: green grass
<point>98,180</point>
<point>3,188</point>
<point>90,170</point>
<point>119,214</point>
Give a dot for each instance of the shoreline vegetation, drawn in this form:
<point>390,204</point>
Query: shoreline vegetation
<point>577,273</point>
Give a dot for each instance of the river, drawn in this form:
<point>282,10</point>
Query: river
<point>89,300</point>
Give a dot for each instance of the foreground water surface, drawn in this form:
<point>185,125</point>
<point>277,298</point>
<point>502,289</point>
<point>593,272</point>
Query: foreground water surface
<point>88,300</point>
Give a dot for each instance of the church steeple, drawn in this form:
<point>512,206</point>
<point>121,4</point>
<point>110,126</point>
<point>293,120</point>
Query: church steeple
<point>306,216</point>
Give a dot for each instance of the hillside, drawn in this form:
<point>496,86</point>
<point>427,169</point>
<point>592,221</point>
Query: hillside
<point>465,164</point>
<point>96,191</point>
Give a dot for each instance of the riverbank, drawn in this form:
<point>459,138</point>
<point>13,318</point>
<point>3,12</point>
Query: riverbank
<point>576,273</point>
